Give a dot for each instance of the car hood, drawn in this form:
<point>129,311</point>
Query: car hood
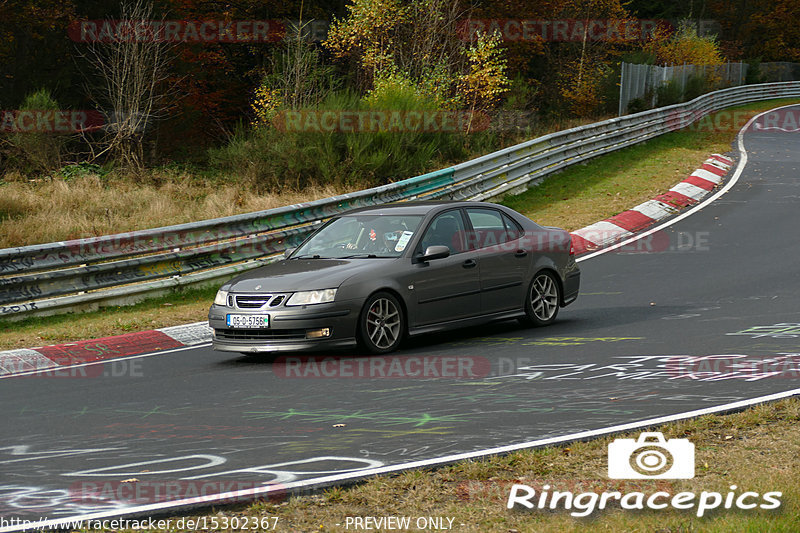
<point>302,274</point>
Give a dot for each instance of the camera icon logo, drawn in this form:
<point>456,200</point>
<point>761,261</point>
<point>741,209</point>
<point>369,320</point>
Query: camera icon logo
<point>651,457</point>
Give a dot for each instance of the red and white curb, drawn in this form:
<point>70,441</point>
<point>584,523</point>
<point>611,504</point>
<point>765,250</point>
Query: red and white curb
<point>50,358</point>
<point>688,192</point>
<point>599,235</point>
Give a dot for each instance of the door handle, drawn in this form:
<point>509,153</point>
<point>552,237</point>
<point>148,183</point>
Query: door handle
<point>520,253</point>
<point>469,263</point>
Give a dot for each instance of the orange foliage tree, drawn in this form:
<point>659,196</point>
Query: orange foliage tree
<point>766,29</point>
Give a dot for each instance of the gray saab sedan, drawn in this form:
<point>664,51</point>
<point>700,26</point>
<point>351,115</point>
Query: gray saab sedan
<point>375,275</point>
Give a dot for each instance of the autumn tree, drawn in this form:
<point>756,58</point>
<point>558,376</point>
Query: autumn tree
<point>486,80</point>
<point>685,46</point>
<point>298,78</point>
<point>131,76</point>
<point>391,41</point>
<point>581,66</point>
<point>767,29</point>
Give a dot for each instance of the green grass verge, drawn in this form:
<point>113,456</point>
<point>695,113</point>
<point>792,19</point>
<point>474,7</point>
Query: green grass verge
<point>179,307</point>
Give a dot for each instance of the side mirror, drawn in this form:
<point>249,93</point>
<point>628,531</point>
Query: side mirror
<point>435,252</point>
<point>287,252</point>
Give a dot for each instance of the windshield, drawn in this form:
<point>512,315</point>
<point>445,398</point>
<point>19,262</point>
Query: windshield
<point>356,236</point>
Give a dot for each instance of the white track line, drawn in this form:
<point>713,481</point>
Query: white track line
<point>737,173</point>
<point>64,368</point>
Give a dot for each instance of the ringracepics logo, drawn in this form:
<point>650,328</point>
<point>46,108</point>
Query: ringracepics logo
<point>649,457</point>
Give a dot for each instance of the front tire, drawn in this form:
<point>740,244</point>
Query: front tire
<point>382,324</point>
<point>542,300</point>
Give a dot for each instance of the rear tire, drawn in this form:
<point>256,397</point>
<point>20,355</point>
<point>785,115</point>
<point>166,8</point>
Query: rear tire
<point>382,324</point>
<point>542,300</point>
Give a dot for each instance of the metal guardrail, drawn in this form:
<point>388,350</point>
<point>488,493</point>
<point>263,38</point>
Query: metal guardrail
<point>85,273</point>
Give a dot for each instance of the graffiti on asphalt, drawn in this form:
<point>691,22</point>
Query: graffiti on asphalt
<point>59,501</point>
<point>546,341</point>
<point>23,453</point>
<point>668,367</point>
<point>56,502</point>
<point>784,330</point>
<point>341,416</point>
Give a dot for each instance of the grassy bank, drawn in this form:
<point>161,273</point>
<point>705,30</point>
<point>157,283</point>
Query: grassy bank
<point>574,198</point>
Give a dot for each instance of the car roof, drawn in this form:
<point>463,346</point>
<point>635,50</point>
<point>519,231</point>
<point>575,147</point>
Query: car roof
<point>411,208</point>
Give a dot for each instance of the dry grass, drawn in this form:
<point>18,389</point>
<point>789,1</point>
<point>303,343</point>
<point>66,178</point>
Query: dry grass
<point>56,209</point>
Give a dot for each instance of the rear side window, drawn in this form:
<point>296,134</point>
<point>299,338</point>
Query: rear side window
<point>512,227</point>
<point>490,227</point>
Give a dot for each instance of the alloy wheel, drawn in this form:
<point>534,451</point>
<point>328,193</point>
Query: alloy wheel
<point>544,297</point>
<point>383,323</point>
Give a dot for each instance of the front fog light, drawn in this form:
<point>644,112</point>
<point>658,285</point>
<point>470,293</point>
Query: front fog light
<point>318,333</point>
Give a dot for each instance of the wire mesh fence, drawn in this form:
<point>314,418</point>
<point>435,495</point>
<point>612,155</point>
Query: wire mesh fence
<point>653,85</point>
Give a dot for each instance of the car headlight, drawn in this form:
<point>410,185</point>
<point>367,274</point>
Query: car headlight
<point>312,297</point>
<point>221,298</point>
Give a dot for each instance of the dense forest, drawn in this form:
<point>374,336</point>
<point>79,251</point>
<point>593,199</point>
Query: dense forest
<point>238,86</point>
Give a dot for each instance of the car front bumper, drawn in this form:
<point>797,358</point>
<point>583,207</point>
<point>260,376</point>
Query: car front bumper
<point>291,328</point>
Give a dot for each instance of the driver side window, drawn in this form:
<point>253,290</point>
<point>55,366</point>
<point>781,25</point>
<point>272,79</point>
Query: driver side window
<point>447,229</point>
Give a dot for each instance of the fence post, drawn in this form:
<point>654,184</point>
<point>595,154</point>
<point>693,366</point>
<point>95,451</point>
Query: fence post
<point>622,103</point>
<point>683,80</point>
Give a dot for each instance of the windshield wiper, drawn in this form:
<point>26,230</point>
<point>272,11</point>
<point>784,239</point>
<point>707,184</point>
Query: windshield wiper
<point>363,256</point>
<point>308,256</point>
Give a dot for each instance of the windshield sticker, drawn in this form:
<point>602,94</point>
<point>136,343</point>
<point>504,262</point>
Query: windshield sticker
<point>403,241</point>
<point>372,235</point>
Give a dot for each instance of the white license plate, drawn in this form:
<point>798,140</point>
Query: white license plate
<point>248,321</point>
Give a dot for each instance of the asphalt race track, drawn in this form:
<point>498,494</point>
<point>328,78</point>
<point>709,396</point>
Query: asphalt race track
<point>701,314</point>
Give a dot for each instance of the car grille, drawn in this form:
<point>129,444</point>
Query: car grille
<point>260,334</point>
<point>257,301</point>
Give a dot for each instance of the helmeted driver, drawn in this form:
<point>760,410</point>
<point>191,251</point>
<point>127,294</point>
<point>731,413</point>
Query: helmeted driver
<point>383,238</point>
